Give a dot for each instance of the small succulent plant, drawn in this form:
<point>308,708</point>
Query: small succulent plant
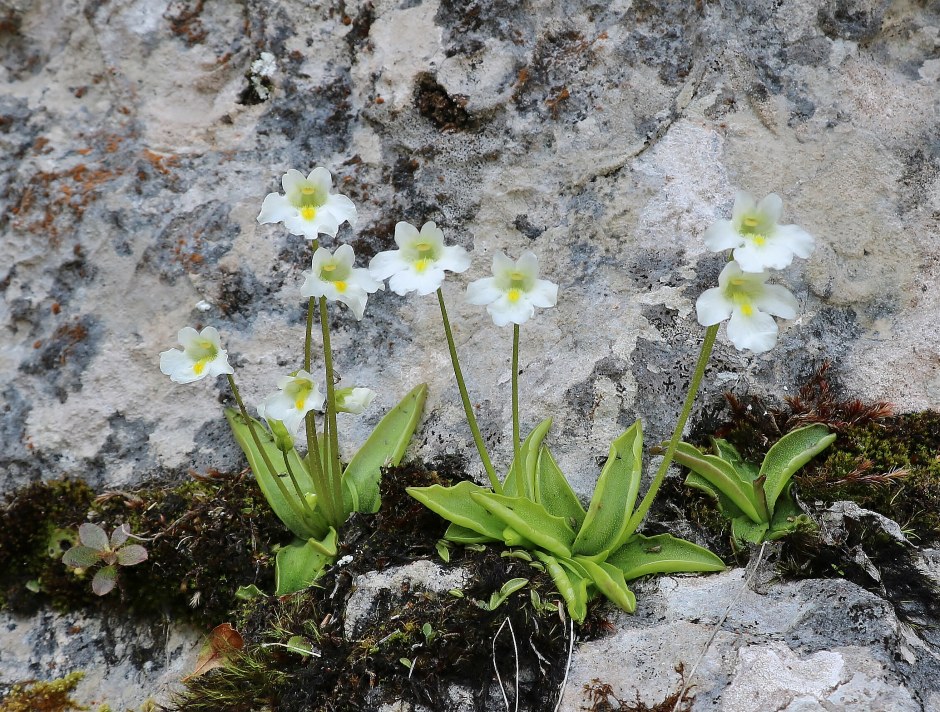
<point>96,548</point>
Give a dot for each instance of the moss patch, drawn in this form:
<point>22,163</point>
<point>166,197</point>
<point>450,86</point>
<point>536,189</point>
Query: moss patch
<point>419,645</point>
<point>205,538</point>
<point>52,696</point>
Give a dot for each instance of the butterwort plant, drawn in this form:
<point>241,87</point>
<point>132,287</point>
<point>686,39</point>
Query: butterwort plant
<point>586,551</point>
<point>311,491</point>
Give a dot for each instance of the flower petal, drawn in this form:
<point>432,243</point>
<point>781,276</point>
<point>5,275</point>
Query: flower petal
<point>292,182</point>
<point>483,291</point>
<point>770,208</point>
<point>179,367</point>
<point>505,311</point>
<point>776,300</point>
<point>502,265</point>
<point>219,365</point>
<point>411,281</point>
<point>797,239</point>
<point>356,300</point>
<point>431,233</point>
<point>275,208</point>
<point>341,208</point>
<point>454,259</point>
<point>744,204</point>
<point>757,332</point>
<point>187,337</point>
<point>321,179</point>
<point>387,263</point>
<point>405,234</point>
<point>344,256</point>
<point>543,294</point>
<point>722,236</point>
<point>528,264</point>
<point>773,254</point>
<point>712,307</point>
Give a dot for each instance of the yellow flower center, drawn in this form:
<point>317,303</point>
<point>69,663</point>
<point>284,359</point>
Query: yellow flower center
<point>203,352</point>
<point>340,286</point>
<point>513,295</point>
<point>421,265</point>
<point>299,403</point>
<point>200,365</point>
<point>308,212</point>
<point>758,239</point>
<point>747,309</point>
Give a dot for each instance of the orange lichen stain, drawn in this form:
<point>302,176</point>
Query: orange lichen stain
<point>160,162</point>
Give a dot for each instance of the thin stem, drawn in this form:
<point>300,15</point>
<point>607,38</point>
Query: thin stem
<point>703,357</point>
<point>314,463</point>
<point>465,398</point>
<point>264,455</point>
<point>293,479</point>
<point>515,394</point>
<point>337,473</point>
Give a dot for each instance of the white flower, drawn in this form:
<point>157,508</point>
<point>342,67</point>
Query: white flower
<point>202,356</point>
<point>297,396</point>
<point>419,263</point>
<point>334,277</point>
<point>354,400</point>
<point>749,302</point>
<point>308,208</point>
<point>514,290</point>
<point>759,243</point>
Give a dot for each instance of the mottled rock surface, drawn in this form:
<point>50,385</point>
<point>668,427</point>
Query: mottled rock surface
<point>605,136</point>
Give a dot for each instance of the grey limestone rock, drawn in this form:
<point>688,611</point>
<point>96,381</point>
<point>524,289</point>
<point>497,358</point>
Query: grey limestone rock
<point>606,137</point>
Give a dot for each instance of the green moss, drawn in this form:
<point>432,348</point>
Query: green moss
<point>205,538</point>
<point>52,696</point>
<point>891,467</point>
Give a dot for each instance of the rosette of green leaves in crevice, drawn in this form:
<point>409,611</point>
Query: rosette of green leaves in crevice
<point>758,501</point>
<point>299,563</point>
<point>585,552</point>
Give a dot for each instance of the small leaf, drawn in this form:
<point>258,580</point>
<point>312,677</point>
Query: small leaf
<point>104,580</point>
<point>722,476</point>
<point>443,550</point>
<point>131,554</point>
<point>385,446</point>
<point>247,593</point>
<point>462,535</point>
<point>300,645</point>
<point>608,515</point>
<point>120,535</point>
<point>553,491</point>
<point>81,557</point>
<point>298,565</point>
<point>610,581</point>
<point>223,641</point>
<point>455,505</point>
<point>510,587</point>
<point>789,454</point>
<point>93,536</point>
<point>519,481</point>
<point>571,586</point>
<point>33,586</point>
<point>530,520</point>
<point>662,554</point>
<point>406,662</point>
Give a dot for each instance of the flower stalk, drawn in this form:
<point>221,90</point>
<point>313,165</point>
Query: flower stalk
<point>465,399</point>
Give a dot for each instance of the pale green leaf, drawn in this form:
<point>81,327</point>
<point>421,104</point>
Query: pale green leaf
<point>743,529</point>
<point>131,554</point>
<point>247,593</point>
<point>530,521</point>
<point>789,454</point>
<point>510,587</point>
<point>610,581</point>
<point>722,476</point>
<point>662,554</point>
<point>553,491</point>
<point>614,496</point>
<point>385,446</point>
<point>519,480</point>
<point>571,586</point>
<point>298,565</point>
<point>455,505</point>
<point>462,535</point>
